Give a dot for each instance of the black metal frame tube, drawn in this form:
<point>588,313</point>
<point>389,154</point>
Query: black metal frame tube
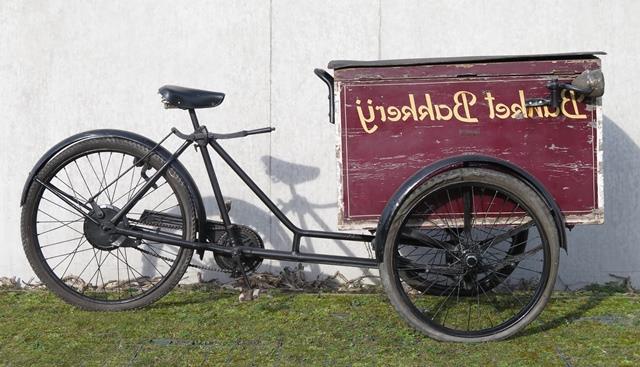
<point>276,211</point>
<point>298,233</point>
<point>150,182</point>
<point>264,253</point>
<point>215,185</point>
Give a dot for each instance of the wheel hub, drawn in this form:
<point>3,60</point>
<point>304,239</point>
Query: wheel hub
<point>101,235</point>
<point>471,260</point>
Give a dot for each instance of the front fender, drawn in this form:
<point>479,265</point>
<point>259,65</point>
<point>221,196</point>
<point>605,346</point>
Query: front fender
<point>111,133</point>
<point>390,210</point>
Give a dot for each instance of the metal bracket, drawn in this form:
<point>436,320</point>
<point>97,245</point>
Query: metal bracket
<point>589,84</point>
<point>328,80</point>
<point>200,137</point>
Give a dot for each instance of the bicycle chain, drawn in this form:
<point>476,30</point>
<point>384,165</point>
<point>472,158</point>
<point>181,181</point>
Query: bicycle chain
<point>192,265</point>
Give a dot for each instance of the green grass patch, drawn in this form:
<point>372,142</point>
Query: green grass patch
<point>210,327</point>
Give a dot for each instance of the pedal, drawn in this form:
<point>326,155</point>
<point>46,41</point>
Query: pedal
<point>245,277</point>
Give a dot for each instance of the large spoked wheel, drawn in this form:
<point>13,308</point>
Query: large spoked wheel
<point>76,258</point>
<point>471,256</point>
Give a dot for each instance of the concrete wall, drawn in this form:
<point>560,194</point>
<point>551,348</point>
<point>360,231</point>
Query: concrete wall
<point>69,66</point>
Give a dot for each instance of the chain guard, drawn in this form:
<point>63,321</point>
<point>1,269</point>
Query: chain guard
<point>226,264</point>
<point>217,234</point>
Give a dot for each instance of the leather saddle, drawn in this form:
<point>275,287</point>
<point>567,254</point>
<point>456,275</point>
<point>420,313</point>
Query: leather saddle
<point>174,96</point>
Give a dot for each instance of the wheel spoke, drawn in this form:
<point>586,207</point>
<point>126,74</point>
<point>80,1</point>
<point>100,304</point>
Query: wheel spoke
<point>103,180</point>
<point>115,183</point>
<point>77,213</point>
<point>63,225</point>
<point>80,243</point>
<point>468,209</point>
<point>96,175</point>
<point>61,242</point>
<point>66,254</point>
<point>74,248</point>
<point>475,262</point>
<point>56,219</point>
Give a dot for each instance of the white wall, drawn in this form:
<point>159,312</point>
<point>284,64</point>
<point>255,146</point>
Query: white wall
<point>70,66</point>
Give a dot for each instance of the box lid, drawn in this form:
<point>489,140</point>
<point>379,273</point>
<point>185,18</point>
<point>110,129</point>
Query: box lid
<point>345,64</point>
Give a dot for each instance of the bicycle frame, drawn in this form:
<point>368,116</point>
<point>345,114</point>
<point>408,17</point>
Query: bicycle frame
<point>204,139</point>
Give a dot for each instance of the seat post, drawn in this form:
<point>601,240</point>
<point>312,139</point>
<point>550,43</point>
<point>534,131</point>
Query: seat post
<point>217,193</point>
<point>194,119</point>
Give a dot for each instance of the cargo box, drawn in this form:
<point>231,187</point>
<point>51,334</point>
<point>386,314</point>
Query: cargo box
<point>395,117</point>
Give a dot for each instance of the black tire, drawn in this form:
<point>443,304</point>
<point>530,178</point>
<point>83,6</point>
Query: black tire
<point>141,286</point>
<point>510,309</point>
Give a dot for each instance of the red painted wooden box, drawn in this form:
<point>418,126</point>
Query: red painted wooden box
<point>396,117</point>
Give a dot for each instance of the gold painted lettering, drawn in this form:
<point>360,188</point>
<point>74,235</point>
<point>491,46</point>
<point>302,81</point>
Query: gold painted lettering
<point>426,110</point>
<point>383,117</point>
<point>460,99</point>
<point>460,109</point>
<point>519,109</point>
<point>574,114</point>
<point>440,116</point>
<point>502,111</point>
<point>410,111</point>
<point>536,110</point>
<point>489,98</point>
<point>363,120</point>
<point>555,113</point>
<point>393,113</point>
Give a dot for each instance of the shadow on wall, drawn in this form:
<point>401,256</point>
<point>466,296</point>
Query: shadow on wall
<point>297,208</point>
<point>596,251</point>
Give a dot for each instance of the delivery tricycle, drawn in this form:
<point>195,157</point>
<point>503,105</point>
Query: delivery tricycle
<point>461,173</point>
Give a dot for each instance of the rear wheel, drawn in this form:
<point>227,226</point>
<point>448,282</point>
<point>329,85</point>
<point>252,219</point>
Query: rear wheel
<point>87,266</point>
<point>471,256</point>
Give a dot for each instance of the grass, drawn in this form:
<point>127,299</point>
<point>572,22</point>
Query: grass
<point>209,327</point>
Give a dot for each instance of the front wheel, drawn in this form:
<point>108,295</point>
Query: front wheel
<point>471,256</point>
<point>85,265</point>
